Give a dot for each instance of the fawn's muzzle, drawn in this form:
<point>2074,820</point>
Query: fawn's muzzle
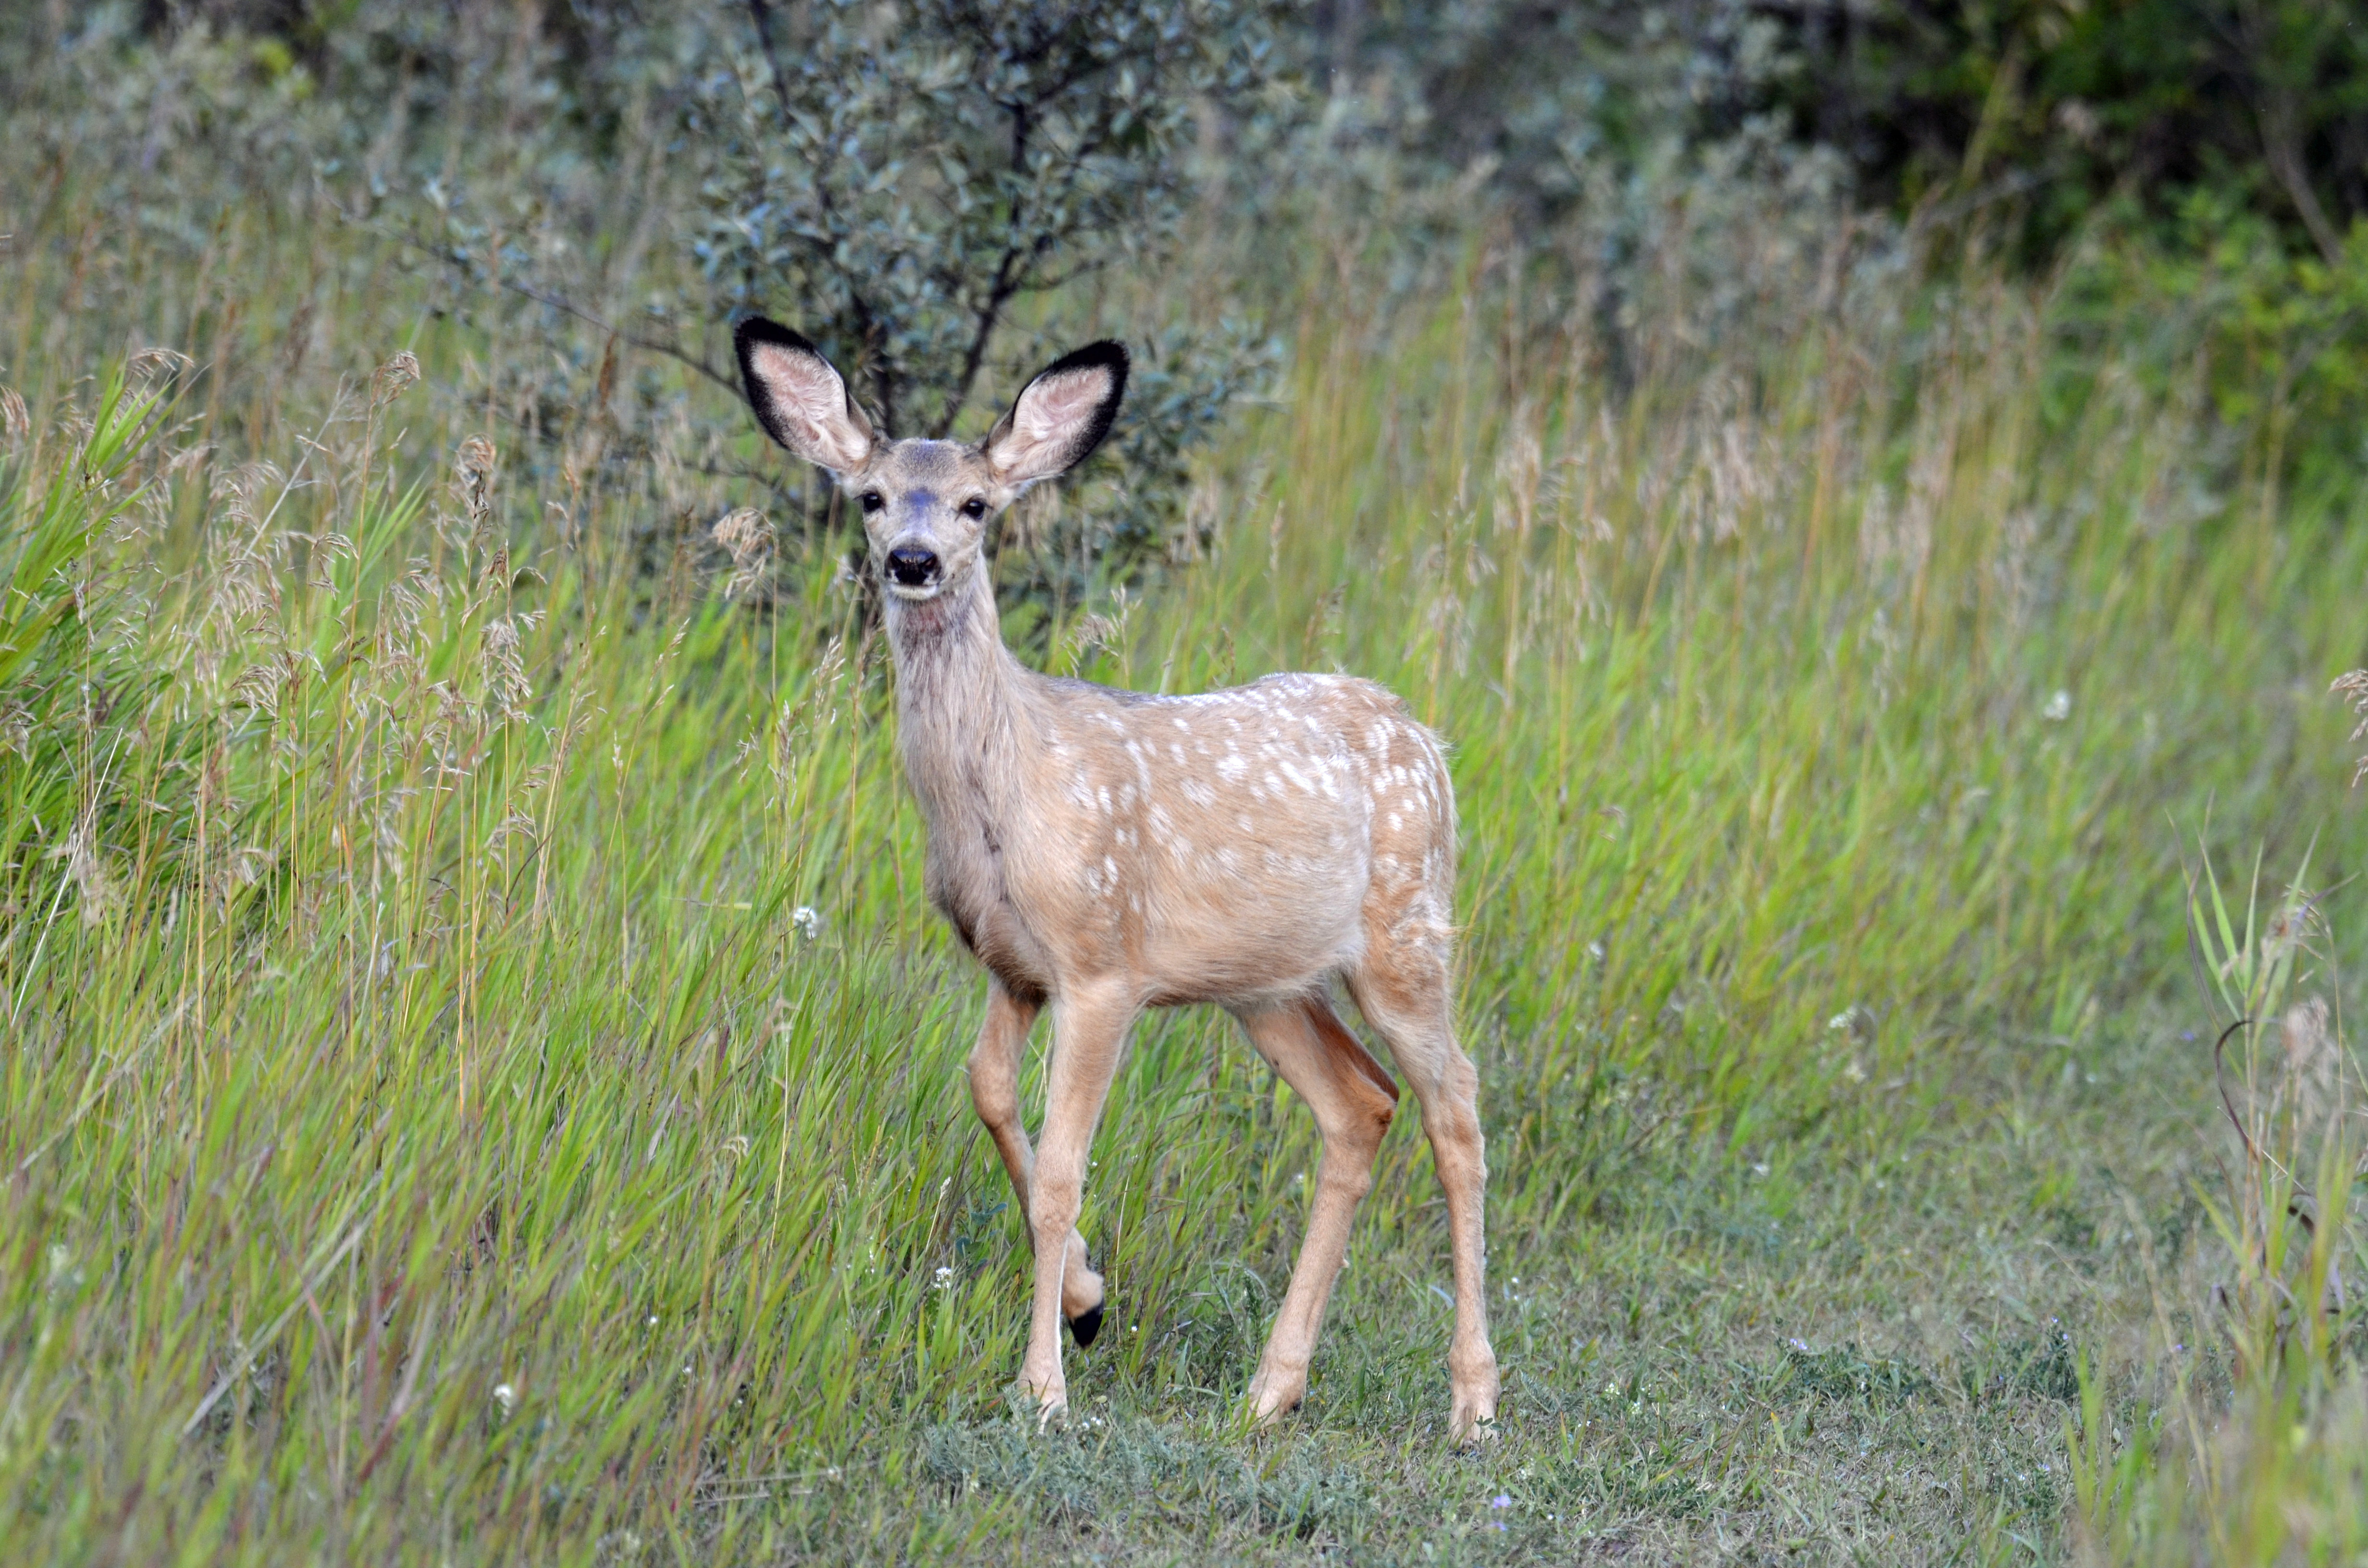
<point>911,568</point>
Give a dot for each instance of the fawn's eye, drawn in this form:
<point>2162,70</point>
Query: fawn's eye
<point>974,508</point>
<point>871,500</point>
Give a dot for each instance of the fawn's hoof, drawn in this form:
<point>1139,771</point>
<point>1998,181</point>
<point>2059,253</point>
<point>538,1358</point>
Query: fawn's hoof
<point>1274,1394</point>
<point>1473,1423</point>
<point>1086,1324</point>
<point>1477,1433</point>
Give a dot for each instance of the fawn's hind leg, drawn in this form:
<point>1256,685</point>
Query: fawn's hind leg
<point>994,1090</point>
<point>1353,1100</point>
<point>1402,988</point>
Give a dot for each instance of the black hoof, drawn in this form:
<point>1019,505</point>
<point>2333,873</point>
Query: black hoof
<point>1086,1324</point>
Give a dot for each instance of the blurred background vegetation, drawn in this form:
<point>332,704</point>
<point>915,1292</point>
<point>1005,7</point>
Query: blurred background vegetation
<point>904,179</point>
<point>1869,491</point>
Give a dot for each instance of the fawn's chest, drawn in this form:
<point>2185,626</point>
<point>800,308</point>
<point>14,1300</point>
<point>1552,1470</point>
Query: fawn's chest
<point>969,875</point>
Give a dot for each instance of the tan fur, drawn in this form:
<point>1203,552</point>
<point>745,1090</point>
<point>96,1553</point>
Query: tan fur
<point>1103,851</point>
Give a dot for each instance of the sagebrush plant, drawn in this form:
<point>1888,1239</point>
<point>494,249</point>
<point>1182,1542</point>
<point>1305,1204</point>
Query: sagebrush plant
<point>932,192</point>
<point>908,186</point>
<point>906,177</point>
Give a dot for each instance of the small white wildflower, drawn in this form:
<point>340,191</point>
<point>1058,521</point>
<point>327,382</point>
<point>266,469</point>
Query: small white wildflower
<point>505,1396</point>
<point>804,918</point>
<point>2059,708</point>
<point>945,1276</point>
<point>1843,1019</point>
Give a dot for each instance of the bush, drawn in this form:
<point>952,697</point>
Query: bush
<point>902,184</point>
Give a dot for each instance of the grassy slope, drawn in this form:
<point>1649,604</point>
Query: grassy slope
<point>418,1034</point>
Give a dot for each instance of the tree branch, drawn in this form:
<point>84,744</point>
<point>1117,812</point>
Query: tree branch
<point>674,351</point>
<point>559,302</point>
<point>998,296</point>
<point>2274,112</point>
<point>1000,292</point>
<point>824,248</point>
<point>762,14</point>
<point>2281,148</point>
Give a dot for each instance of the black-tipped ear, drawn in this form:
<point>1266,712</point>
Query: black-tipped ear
<point>1060,417</point>
<point>800,399</point>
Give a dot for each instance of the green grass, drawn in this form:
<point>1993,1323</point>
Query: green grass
<point>433,1129</point>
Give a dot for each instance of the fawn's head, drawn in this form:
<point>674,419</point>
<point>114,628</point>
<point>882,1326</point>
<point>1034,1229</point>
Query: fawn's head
<point>925,502</point>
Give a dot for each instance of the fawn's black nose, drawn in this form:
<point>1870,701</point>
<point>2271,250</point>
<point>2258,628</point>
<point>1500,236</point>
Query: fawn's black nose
<point>912,568</point>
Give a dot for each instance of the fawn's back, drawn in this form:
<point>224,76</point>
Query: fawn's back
<point>1228,847</point>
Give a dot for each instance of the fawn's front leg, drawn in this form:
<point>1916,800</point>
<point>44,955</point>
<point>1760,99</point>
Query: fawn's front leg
<point>1089,1029</point>
<point>994,1090</point>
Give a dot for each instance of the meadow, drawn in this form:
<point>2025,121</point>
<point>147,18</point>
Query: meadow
<point>482,1083</point>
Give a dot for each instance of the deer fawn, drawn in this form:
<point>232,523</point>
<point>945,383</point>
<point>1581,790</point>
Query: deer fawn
<point>1103,851</point>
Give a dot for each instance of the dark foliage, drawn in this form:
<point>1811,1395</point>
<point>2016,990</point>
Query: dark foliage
<point>2039,108</point>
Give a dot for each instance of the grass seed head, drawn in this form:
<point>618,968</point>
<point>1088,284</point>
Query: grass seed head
<point>394,377</point>
<point>748,535</point>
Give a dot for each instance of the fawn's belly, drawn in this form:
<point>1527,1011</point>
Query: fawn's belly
<point>1213,917</point>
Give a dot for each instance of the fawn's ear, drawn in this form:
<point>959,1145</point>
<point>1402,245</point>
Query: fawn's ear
<point>798,399</point>
<point>1061,417</point>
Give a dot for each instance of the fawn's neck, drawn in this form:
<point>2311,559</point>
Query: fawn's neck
<point>959,707</point>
